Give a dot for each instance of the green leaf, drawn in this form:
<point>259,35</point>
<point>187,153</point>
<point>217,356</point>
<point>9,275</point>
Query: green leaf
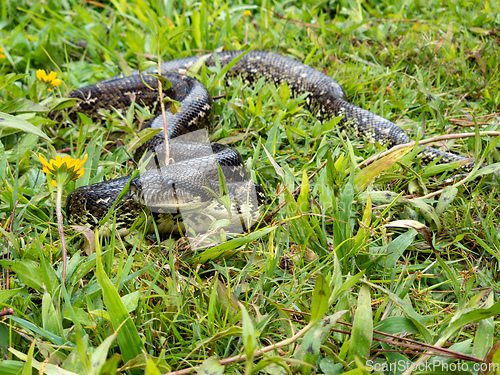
<point>141,362</point>
<point>408,310</point>
<point>227,67</point>
<point>128,337</point>
<point>473,316</point>
<point>227,247</point>
<point>21,105</point>
<point>151,368</point>
<point>303,199</point>
<point>249,335</point>
<point>210,366</point>
<point>489,169</point>
<point>361,370</point>
<point>485,333</point>
<point>492,360</point>
<point>101,352</point>
<point>50,369</point>
<point>58,104</point>
<point>320,298</point>
<point>131,300</point>
<point>145,65</point>
<point>231,331</point>
<point>445,199</point>
<point>7,294</point>
<point>345,286</point>
<point>27,370</point>
<point>51,317</point>
<point>10,367</point>
<point>13,122</point>
<point>366,175</point>
<point>39,331</point>
<point>28,271</point>
<point>396,324</point>
<point>165,83</point>
<point>7,79</point>
<point>427,211</point>
<point>395,249</point>
<point>11,237</point>
<point>309,349</point>
<point>362,327</point>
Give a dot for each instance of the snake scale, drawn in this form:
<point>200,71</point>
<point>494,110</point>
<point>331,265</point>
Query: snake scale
<point>191,184</point>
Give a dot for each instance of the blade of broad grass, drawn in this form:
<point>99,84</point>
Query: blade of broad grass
<point>81,353</point>
<point>11,367</point>
<point>100,353</point>
<point>303,199</point>
<point>249,335</point>
<point>395,249</point>
<point>50,369</point>
<point>11,237</point>
<point>231,331</point>
<point>453,276</point>
<point>345,286</point>
<point>461,319</point>
<point>50,279</point>
<point>6,295</point>
<point>492,360</point>
<point>310,348</point>
<point>51,317</point>
<point>226,68</point>
<point>28,271</point>
<point>342,228</point>
<point>367,175</point>
<point>27,370</point>
<point>445,199</point>
<point>13,122</point>
<point>228,246</point>
<point>407,309</point>
<point>128,337</point>
<point>483,340</point>
<point>360,370</point>
<point>276,364</point>
<point>396,324</point>
<point>151,368</point>
<point>321,297</point>
<point>40,331</point>
<point>362,327</point>
<point>210,366</point>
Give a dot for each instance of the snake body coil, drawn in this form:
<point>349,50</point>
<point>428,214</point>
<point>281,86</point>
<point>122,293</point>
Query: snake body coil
<point>188,183</point>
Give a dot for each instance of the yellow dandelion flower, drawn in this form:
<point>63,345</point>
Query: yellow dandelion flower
<point>55,82</point>
<point>247,13</point>
<point>64,169</point>
<point>1,53</point>
<point>41,75</point>
<point>50,78</point>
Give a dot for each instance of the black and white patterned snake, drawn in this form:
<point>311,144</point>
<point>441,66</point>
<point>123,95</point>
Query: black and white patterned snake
<point>191,183</point>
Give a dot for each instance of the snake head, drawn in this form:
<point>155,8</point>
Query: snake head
<point>170,189</point>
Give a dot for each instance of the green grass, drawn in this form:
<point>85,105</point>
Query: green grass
<point>139,305</point>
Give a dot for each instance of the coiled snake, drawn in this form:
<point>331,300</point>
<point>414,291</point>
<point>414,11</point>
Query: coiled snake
<point>191,184</point>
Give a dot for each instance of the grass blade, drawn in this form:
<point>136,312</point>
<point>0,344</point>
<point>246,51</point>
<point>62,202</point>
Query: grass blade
<point>362,327</point>
<point>128,337</point>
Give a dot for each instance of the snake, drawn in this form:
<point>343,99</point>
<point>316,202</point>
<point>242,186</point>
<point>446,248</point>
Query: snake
<point>188,190</point>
